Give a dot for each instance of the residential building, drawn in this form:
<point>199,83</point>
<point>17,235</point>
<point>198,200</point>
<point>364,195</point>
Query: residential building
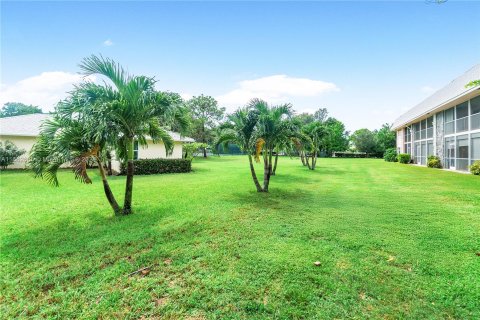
<point>446,124</point>
<point>24,130</point>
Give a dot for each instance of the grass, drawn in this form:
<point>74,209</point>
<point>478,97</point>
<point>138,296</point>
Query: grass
<point>394,242</point>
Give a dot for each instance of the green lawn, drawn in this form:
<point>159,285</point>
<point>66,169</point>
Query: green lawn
<point>394,241</point>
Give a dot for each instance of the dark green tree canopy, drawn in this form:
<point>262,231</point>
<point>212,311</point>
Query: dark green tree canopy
<point>11,109</point>
<point>364,141</point>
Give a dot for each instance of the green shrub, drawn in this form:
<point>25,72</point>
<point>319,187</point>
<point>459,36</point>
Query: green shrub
<point>157,166</point>
<point>434,162</point>
<point>9,152</point>
<point>403,158</point>
<point>390,155</point>
<point>475,168</point>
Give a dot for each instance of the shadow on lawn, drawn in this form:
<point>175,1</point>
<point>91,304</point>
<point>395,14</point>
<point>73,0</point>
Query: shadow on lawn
<point>82,238</point>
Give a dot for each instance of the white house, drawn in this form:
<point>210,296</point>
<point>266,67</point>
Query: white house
<point>24,130</point>
<point>446,124</point>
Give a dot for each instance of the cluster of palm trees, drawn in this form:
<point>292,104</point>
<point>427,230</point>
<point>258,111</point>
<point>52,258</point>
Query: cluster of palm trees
<point>98,119</point>
<point>263,132</point>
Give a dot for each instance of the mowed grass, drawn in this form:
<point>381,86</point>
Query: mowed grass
<point>394,242</point>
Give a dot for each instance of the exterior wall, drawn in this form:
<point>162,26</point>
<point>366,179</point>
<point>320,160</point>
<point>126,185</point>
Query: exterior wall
<point>157,150</point>
<point>25,143</point>
<point>154,150</point>
<point>400,141</point>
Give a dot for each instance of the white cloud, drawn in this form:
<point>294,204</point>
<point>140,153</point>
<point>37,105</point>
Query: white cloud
<point>108,43</point>
<point>275,89</point>
<point>44,90</point>
<point>427,89</point>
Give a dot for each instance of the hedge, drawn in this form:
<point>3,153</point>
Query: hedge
<point>158,166</point>
<point>404,158</point>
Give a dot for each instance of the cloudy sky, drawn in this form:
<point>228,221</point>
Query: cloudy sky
<point>367,62</point>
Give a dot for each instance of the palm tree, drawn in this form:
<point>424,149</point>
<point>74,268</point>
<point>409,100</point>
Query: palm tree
<point>313,135</point>
<point>134,107</point>
<point>74,138</point>
<point>272,131</point>
<point>242,125</point>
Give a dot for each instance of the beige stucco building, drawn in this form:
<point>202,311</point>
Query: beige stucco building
<point>24,130</point>
<point>446,124</point>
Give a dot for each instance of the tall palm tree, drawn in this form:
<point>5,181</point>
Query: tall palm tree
<point>74,138</point>
<point>272,130</point>
<point>134,107</point>
<point>242,125</point>
<point>313,135</point>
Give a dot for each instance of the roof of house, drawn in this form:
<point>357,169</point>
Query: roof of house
<point>29,126</point>
<point>452,91</point>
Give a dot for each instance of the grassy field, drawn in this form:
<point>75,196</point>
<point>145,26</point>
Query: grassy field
<point>394,242</point>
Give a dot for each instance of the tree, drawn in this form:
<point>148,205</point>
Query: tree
<point>314,133</point>
<point>11,109</point>
<point>385,138</point>
<point>242,131</point>
<point>273,130</point>
<point>76,134</point>
<point>321,115</point>
<point>189,149</point>
<point>206,115</point>
<point>9,152</point>
<point>104,117</point>
<point>473,83</point>
<point>336,138</point>
<point>364,141</point>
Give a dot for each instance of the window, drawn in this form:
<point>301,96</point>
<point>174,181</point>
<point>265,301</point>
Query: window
<point>462,152</point>
<point>430,127</point>
<point>430,148</point>
<point>449,121</point>
<point>475,146</point>
<point>475,112</point>
<point>135,150</point>
<point>462,114</point>
<point>416,130</point>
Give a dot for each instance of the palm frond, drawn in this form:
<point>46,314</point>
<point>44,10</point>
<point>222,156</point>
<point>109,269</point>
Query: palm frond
<point>106,67</point>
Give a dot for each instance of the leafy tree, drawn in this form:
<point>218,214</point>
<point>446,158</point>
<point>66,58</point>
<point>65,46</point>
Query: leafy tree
<point>189,149</point>
<point>206,115</point>
<point>321,114</point>
<point>473,83</point>
<point>385,138</point>
<point>11,109</point>
<point>9,152</point>
<point>336,138</point>
<point>364,141</point>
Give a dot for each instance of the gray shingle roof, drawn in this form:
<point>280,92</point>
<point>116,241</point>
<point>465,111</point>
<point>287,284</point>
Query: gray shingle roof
<point>26,126</point>
<point>29,126</point>
<point>450,92</point>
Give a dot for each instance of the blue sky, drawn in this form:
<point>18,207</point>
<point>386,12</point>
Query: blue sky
<point>367,62</point>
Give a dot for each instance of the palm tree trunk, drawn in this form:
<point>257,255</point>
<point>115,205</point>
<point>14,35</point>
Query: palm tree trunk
<point>302,157</point>
<point>108,192</point>
<point>267,170</point>
<point>275,164</point>
<point>314,160</point>
<point>254,175</point>
<point>307,162</point>
<point>127,204</point>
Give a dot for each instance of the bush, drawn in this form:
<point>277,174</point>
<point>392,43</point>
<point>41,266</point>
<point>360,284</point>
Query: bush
<point>403,158</point>
<point>475,168</point>
<point>434,162</point>
<point>9,153</point>
<point>157,166</point>
<point>390,155</point>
